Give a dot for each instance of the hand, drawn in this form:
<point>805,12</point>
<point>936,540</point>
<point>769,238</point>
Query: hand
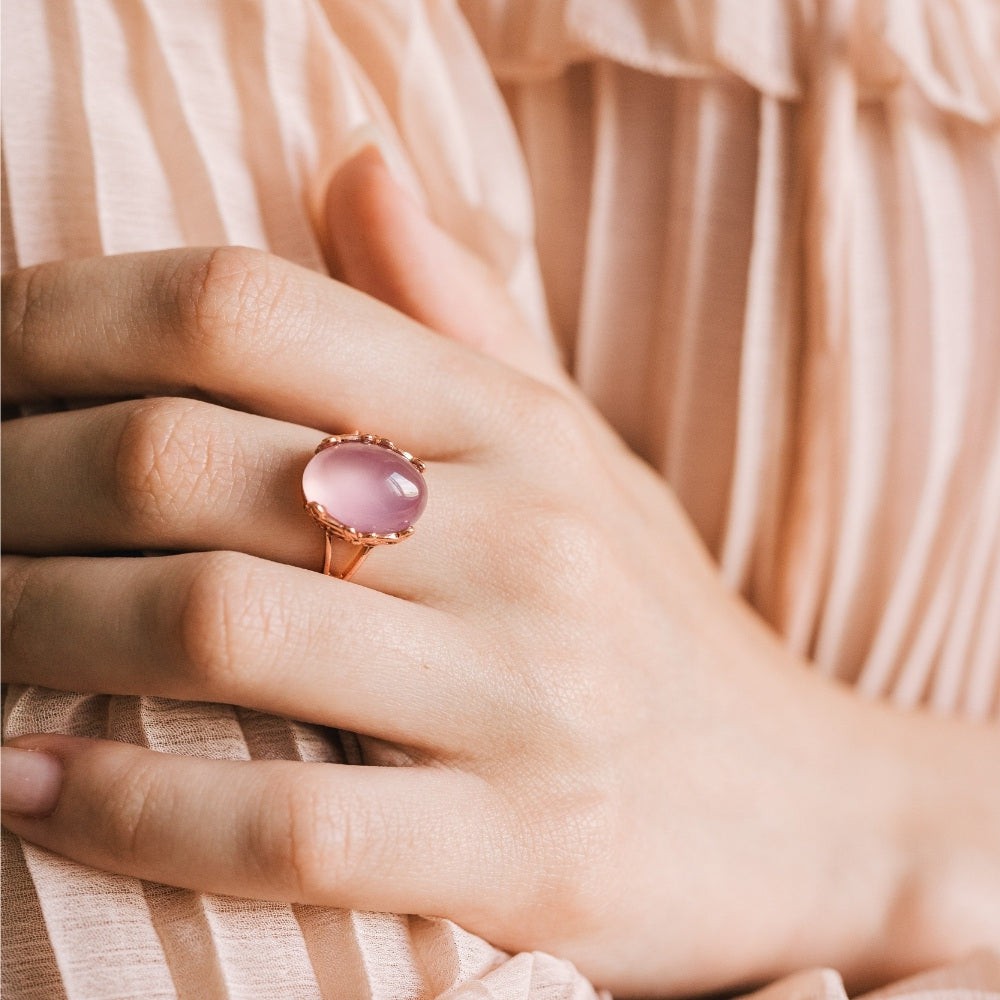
<point>609,757</point>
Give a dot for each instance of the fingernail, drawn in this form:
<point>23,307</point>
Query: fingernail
<point>29,782</point>
<point>365,134</point>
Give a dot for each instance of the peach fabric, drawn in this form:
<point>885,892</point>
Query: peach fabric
<point>766,235</point>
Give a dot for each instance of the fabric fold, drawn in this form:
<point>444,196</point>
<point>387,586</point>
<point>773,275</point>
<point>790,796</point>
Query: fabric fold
<point>946,51</point>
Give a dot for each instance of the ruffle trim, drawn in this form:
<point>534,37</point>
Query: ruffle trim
<point>948,50</point>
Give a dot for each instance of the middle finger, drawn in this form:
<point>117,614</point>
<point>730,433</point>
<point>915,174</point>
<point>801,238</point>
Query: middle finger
<point>246,327</point>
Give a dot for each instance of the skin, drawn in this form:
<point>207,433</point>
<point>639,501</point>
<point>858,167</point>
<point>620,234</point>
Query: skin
<point>607,752</point>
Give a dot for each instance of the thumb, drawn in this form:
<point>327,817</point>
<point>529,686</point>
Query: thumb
<point>380,241</point>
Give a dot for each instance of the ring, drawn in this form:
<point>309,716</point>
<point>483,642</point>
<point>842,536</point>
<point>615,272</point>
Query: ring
<point>365,490</point>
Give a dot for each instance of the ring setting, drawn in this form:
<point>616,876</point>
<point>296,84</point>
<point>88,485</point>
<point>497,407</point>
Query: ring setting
<point>363,489</point>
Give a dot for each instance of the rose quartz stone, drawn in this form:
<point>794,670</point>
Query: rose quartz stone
<point>366,487</point>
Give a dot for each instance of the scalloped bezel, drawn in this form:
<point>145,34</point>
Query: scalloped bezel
<point>345,531</point>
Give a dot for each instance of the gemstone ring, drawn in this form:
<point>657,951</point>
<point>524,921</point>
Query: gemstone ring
<point>365,490</point>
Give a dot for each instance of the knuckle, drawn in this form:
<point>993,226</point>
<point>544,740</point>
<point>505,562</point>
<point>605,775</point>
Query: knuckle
<point>569,552</point>
<point>565,851</point>
<point>565,708</point>
<point>159,462</point>
<point>547,430</point>
<point>23,300</point>
<point>568,556</point>
<point>570,542</point>
<point>19,580</point>
<point>569,706</point>
<point>131,810</point>
<point>315,848</point>
<point>330,845</point>
<point>228,299</point>
<point>551,417</point>
<point>215,649</point>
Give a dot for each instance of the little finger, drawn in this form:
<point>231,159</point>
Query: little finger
<point>379,838</point>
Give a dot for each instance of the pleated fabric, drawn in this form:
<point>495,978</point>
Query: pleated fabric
<point>766,236</point>
<point>770,235</point>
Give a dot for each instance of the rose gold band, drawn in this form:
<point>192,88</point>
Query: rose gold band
<point>349,570</point>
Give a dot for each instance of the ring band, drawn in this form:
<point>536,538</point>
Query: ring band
<point>363,489</point>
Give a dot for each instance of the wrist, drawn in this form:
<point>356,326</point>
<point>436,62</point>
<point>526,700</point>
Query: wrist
<point>923,830</point>
<point>852,813</point>
<point>949,901</point>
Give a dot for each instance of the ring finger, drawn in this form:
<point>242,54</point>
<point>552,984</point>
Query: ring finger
<point>181,475</point>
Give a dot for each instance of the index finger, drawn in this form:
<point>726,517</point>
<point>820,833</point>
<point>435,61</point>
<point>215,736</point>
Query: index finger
<point>243,327</point>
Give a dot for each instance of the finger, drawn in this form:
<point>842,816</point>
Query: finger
<point>224,627</point>
<point>396,839</point>
<point>156,474</point>
<point>183,475</point>
<point>383,243</point>
<point>245,327</point>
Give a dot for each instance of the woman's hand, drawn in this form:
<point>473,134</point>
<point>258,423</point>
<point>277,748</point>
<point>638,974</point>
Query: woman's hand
<point>608,757</point>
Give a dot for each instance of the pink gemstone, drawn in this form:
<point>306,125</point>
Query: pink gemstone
<point>365,487</point>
